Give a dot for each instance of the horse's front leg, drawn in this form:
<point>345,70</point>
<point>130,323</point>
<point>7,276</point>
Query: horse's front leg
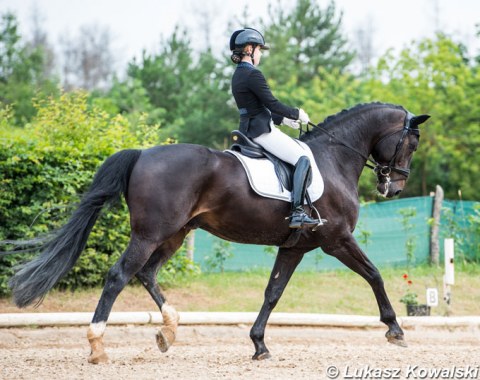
<point>285,264</point>
<point>349,253</point>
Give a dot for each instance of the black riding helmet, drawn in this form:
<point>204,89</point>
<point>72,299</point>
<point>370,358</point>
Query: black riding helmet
<point>243,37</point>
<point>247,36</point>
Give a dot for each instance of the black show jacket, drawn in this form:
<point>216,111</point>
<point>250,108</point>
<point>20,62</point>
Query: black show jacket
<point>255,101</point>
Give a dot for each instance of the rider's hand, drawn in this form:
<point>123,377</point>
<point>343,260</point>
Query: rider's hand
<point>303,117</point>
<point>291,123</point>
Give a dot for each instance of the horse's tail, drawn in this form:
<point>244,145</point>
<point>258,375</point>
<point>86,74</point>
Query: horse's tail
<point>59,255</point>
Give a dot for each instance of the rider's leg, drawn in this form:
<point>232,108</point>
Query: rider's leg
<point>287,149</point>
<point>281,145</point>
<point>298,217</point>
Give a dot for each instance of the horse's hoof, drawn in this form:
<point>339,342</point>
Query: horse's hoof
<point>397,340</point>
<point>262,356</point>
<point>165,338</point>
<point>98,358</point>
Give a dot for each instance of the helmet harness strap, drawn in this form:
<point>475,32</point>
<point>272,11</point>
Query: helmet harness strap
<point>252,54</point>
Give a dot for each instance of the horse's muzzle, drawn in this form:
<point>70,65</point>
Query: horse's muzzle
<point>390,189</point>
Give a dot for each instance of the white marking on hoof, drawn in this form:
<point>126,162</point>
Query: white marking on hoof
<point>95,338</point>
<point>170,315</point>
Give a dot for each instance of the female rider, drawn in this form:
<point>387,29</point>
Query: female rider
<point>260,110</point>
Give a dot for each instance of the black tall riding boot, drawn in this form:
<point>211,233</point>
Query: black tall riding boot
<point>301,176</point>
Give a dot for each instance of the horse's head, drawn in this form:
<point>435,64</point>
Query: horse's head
<point>393,154</point>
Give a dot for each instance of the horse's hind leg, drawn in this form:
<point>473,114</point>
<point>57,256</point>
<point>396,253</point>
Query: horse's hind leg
<point>148,277</point>
<point>132,260</point>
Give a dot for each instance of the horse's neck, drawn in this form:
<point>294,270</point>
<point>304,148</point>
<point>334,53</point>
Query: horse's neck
<point>359,131</point>
<point>335,159</point>
<point>350,162</point>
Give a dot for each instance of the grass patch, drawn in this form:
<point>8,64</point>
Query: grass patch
<point>332,292</point>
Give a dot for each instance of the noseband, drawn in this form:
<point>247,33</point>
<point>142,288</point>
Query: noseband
<point>382,171</point>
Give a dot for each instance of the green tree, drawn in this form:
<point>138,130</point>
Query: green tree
<point>192,89</point>
<point>303,40</point>
<point>208,116</point>
<point>130,99</point>
<point>21,71</point>
<point>436,77</point>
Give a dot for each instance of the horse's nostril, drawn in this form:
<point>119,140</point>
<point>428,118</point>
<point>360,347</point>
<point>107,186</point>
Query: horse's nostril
<point>398,192</point>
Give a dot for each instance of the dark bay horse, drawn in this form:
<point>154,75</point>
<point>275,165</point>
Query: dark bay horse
<point>173,189</point>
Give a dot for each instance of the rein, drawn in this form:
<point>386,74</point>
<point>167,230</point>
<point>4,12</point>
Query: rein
<point>379,169</point>
<point>345,145</point>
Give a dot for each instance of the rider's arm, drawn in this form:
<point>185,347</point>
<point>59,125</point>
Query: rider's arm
<point>260,88</point>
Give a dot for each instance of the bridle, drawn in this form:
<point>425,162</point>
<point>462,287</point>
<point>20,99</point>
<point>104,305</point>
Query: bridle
<point>385,170</point>
<point>381,171</point>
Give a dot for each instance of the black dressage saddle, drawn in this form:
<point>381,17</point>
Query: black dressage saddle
<point>247,147</point>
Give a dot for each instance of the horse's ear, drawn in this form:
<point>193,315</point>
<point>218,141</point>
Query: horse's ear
<point>420,119</point>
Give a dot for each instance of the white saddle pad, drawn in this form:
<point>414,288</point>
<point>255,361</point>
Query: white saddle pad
<point>263,180</point>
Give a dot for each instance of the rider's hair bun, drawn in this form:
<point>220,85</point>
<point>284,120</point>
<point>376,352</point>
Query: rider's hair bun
<point>236,57</point>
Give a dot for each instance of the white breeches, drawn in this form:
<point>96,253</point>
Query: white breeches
<point>281,145</point>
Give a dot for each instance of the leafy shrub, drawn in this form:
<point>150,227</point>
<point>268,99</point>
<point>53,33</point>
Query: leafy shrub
<point>222,251</point>
<point>474,220</point>
<point>410,238</point>
<point>47,165</point>
<point>464,229</point>
<point>178,265</point>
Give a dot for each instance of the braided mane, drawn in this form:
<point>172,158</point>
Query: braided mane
<point>345,116</point>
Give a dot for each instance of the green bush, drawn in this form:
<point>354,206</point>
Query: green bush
<point>48,164</point>
<point>474,220</point>
<point>463,226</point>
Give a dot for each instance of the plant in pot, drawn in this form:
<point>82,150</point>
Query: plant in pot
<point>410,299</point>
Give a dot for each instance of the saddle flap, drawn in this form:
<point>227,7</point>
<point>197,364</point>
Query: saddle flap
<point>283,170</point>
<point>263,179</point>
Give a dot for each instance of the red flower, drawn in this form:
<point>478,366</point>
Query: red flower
<point>405,276</point>
<point>410,282</point>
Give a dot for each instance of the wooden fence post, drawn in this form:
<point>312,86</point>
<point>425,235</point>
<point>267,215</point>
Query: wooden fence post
<point>434,239</point>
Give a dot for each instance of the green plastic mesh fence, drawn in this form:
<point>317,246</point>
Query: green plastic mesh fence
<point>386,232</point>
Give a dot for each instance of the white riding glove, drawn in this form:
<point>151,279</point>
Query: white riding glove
<point>303,117</point>
<point>291,123</point>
